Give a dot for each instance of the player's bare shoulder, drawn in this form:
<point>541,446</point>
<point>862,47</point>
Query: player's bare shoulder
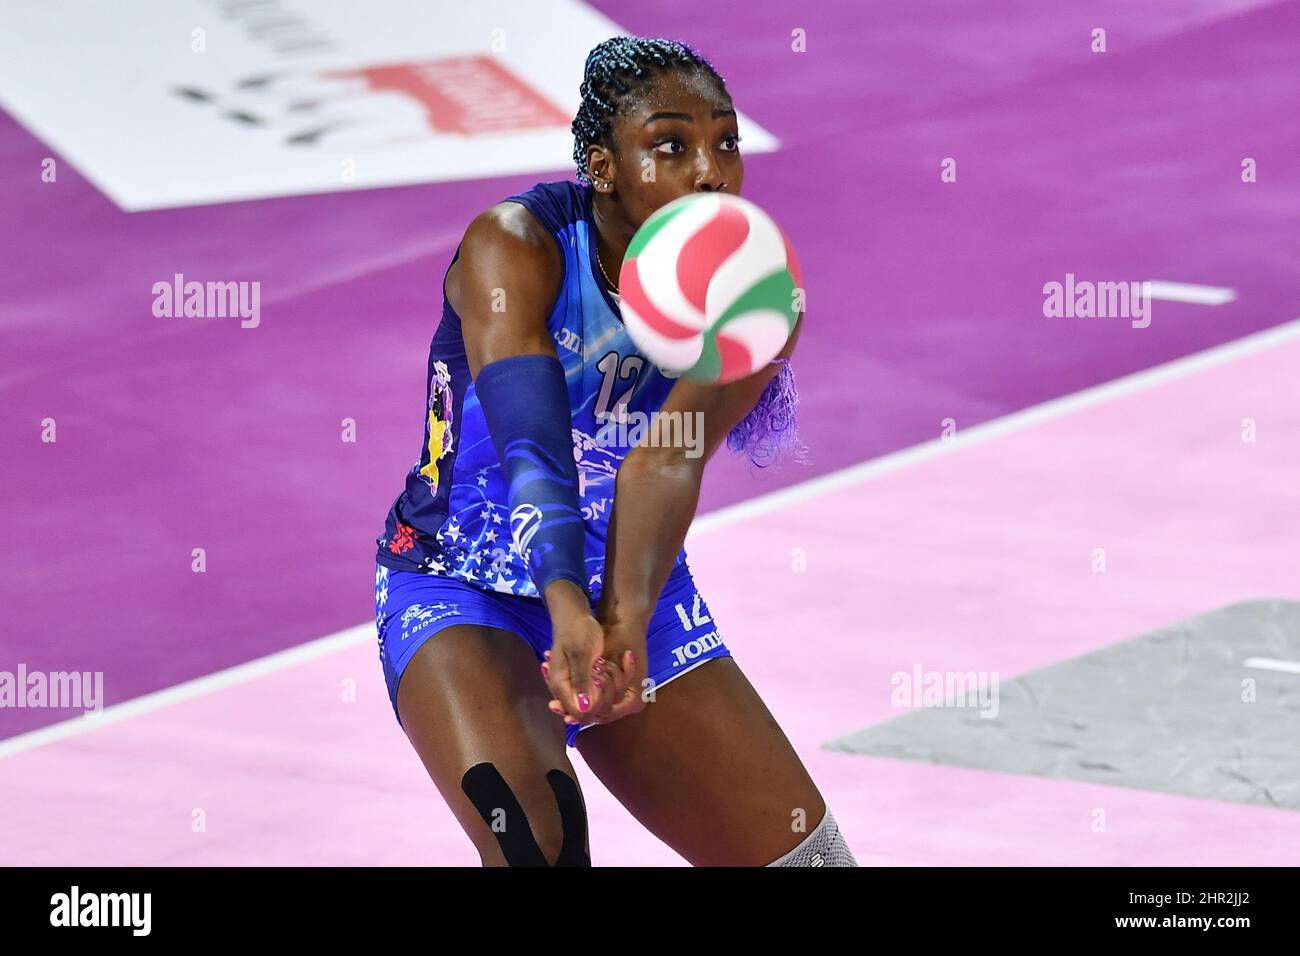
<point>505,250</point>
<point>504,285</point>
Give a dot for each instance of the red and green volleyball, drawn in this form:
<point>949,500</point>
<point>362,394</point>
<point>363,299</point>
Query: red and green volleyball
<point>708,288</point>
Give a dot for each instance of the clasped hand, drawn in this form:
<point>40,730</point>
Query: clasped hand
<point>595,671</point>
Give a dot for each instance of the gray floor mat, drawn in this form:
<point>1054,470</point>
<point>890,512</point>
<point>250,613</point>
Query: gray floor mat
<point>1163,711</point>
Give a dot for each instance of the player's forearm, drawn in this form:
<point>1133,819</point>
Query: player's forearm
<point>654,503</point>
<point>525,405</point>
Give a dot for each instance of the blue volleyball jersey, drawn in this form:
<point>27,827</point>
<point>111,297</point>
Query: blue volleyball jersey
<point>453,516</point>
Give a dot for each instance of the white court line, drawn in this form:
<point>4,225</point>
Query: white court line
<point>1272,664</point>
<point>1187,292</point>
<point>147,703</point>
<point>763,504</point>
<point>998,427</point>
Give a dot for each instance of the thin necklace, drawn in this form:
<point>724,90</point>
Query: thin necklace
<point>602,270</point>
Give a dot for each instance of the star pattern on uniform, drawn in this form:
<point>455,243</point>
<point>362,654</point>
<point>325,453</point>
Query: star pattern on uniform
<point>490,537</point>
<point>503,584</point>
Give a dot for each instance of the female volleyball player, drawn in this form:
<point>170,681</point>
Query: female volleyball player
<point>510,526</point>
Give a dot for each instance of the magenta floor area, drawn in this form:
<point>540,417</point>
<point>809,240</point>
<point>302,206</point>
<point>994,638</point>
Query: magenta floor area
<point>925,303</point>
<point>975,556</point>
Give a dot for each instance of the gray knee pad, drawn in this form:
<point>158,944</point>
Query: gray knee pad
<point>823,847</point>
<point>496,804</point>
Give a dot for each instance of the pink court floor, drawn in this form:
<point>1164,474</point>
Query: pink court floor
<point>969,554</point>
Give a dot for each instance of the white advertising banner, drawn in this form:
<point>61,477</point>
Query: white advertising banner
<point>164,103</point>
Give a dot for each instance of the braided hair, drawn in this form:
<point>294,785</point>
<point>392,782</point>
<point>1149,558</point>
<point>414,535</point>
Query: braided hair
<point>617,71</point>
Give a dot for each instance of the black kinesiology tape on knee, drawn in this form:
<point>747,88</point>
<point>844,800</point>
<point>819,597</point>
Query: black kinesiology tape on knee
<point>573,819</point>
<point>490,794</point>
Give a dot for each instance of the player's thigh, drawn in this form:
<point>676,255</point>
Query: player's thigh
<point>707,769</point>
<point>473,695</point>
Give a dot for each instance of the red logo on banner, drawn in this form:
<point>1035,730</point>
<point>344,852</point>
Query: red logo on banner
<point>464,94</point>
<point>386,104</point>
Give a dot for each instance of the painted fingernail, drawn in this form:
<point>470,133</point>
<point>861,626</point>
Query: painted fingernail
<point>631,657</point>
<point>584,703</point>
<point>546,670</point>
<point>598,683</point>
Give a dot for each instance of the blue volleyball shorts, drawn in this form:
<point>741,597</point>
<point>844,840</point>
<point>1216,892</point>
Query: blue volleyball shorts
<point>411,607</point>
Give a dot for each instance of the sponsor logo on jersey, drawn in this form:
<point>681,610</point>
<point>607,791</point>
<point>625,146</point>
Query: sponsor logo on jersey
<point>403,539</point>
<point>524,522</point>
<point>691,650</point>
<point>417,616</point>
<point>569,340</point>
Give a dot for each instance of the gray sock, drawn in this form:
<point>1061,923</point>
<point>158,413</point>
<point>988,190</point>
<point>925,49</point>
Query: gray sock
<point>823,847</point>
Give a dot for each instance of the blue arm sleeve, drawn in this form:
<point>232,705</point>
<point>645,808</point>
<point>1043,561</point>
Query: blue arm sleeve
<point>526,405</point>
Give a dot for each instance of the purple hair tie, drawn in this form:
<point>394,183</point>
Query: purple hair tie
<point>769,431</point>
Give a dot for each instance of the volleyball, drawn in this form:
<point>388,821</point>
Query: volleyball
<point>710,288</point>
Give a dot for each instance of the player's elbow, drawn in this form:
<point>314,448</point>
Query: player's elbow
<point>664,466</point>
